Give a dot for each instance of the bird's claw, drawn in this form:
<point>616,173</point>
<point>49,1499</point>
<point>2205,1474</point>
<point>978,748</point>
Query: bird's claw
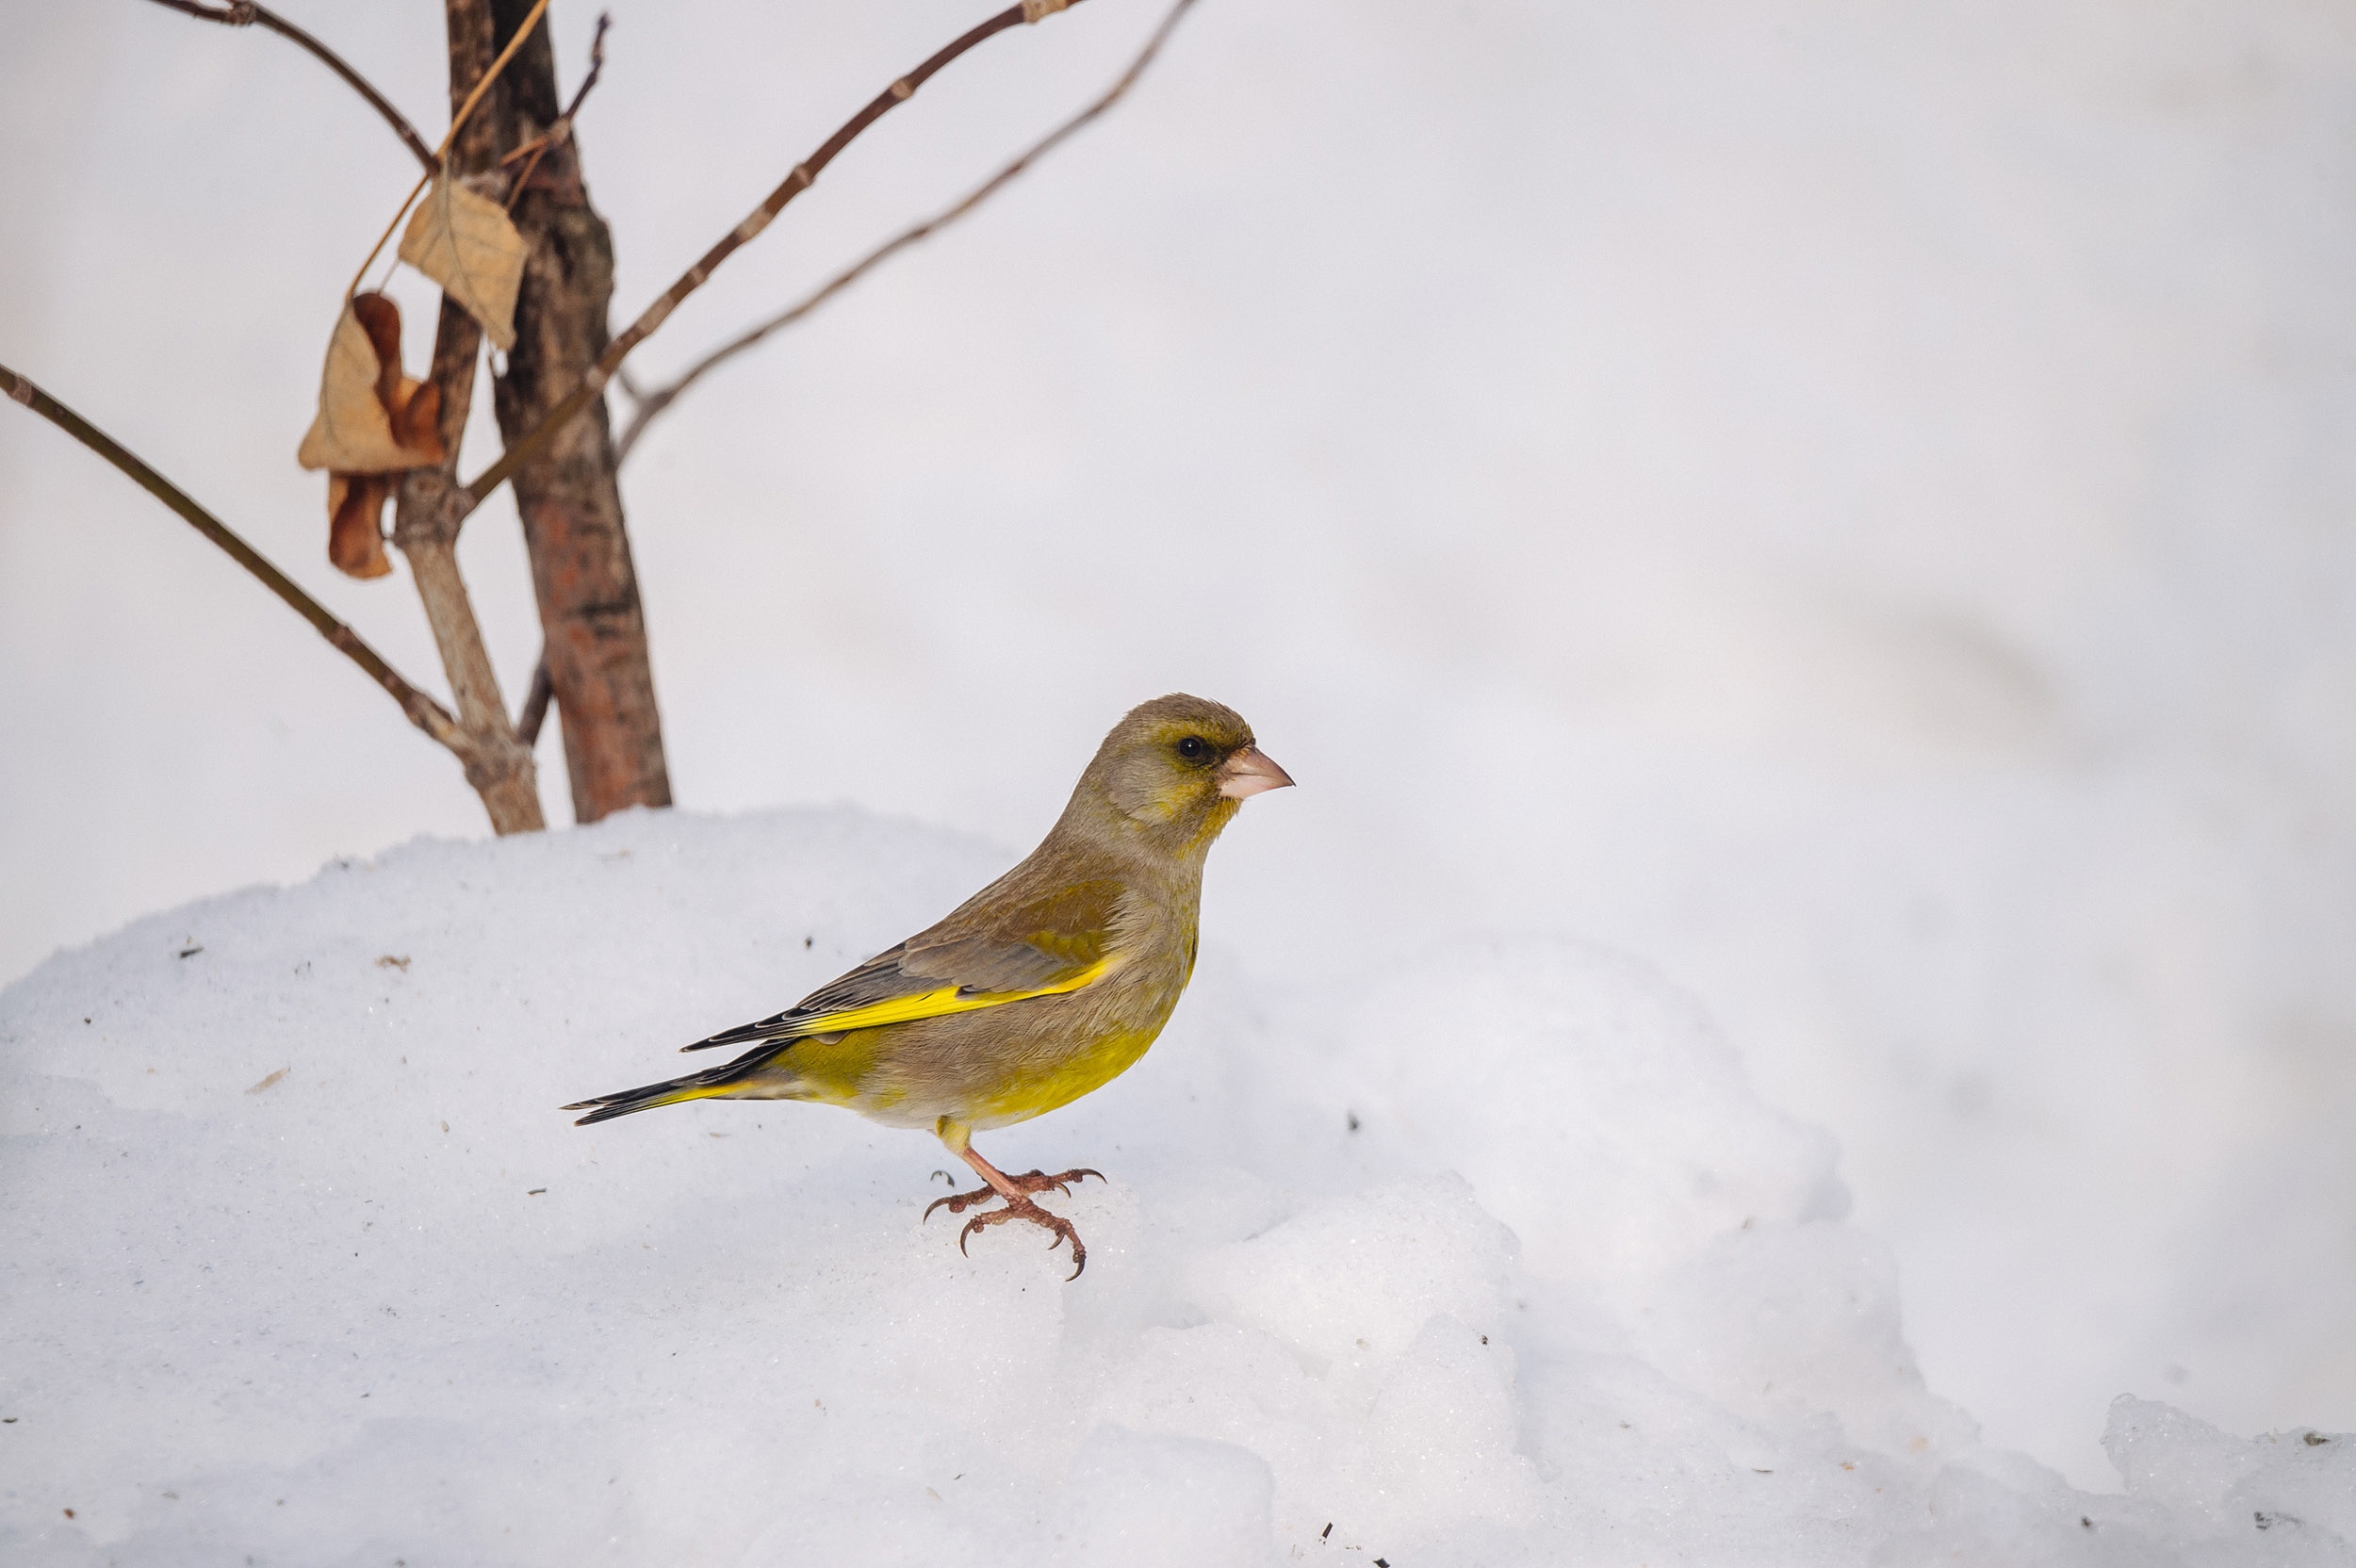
<point>1029,1181</point>
<point>958,1202</point>
<point>1019,1207</point>
<point>1023,1208</point>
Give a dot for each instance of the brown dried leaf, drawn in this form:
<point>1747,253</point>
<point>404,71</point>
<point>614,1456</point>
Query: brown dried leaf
<point>355,523</point>
<point>373,423</point>
<point>379,317</point>
<point>418,418</point>
<point>369,419</point>
<point>465,242</point>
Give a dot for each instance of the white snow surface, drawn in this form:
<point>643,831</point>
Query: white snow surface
<point>1495,1258</point>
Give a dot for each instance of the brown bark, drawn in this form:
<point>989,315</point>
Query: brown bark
<point>571,504</point>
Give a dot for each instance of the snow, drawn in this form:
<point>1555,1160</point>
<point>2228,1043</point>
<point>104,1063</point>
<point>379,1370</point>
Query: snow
<point>1492,1258</point>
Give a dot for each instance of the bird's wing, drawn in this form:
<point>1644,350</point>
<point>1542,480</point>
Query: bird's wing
<point>1040,946</point>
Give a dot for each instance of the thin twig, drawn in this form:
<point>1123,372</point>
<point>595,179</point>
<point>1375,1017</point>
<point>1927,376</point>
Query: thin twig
<point>457,123</point>
<point>242,14</point>
<point>654,402</point>
<point>422,711</point>
<point>537,148</point>
<point>597,67</point>
<point>803,175</point>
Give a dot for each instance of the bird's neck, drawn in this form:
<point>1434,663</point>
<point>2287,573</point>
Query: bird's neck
<point>1168,852</point>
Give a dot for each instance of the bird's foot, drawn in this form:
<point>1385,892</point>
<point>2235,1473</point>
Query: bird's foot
<point>1023,1208</point>
<point>1029,1181</point>
<point>1019,1207</point>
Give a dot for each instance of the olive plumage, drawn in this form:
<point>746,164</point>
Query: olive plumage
<point>1046,984</point>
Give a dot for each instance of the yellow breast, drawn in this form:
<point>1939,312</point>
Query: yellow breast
<point>1066,1080</point>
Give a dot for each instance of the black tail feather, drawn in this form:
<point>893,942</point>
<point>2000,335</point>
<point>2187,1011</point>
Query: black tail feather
<point>671,1091</point>
<point>605,1107</point>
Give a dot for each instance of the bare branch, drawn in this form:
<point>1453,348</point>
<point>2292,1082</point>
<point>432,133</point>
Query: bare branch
<point>499,769</point>
<point>422,711</point>
<point>425,531</point>
<point>241,14</point>
<point>650,403</point>
<point>597,67</point>
<point>803,175</point>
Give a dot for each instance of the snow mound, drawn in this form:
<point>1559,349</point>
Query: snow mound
<point>1494,1259</point>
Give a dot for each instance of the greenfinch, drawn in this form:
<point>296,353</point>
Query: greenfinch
<point>1047,984</point>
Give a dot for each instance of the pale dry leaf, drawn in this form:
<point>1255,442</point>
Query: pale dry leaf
<point>368,420</point>
<point>373,422</point>
<point>465,242</point>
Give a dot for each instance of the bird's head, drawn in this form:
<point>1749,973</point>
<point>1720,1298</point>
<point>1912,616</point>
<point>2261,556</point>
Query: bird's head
<point>1177,768</point>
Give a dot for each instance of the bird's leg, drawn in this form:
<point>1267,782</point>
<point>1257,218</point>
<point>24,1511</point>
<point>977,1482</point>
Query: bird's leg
<point>1017,1191</point>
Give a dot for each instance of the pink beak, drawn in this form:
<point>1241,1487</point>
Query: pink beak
<point>1249,772</point>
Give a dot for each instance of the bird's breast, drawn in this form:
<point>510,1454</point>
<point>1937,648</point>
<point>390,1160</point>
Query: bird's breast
<point>1092,1036</point>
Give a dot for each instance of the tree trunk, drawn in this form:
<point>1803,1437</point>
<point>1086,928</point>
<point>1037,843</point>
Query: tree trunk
<point>581,572</point>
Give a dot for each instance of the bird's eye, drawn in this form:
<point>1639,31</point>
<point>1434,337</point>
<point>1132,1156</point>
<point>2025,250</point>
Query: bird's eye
<point>1194,748</point>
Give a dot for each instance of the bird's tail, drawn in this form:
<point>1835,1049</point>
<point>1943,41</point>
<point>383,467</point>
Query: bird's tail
<point>718,1082</point>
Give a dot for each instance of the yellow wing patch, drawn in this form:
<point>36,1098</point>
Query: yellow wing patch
<point>937,1003</point>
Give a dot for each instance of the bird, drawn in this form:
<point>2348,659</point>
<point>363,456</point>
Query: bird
<point>1046,985</point>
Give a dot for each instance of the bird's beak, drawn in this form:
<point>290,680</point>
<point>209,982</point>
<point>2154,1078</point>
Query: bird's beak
<point>1249,772</point>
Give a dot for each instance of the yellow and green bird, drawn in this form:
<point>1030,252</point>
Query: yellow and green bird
<point>1046,984</point>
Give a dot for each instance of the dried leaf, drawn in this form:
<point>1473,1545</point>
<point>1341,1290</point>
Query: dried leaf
<point>465,242</point>
<point>417,420</point>
<point>379,317</point>
<point>355,523</point>
<point>370,420</point>
<point>373,423</point>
